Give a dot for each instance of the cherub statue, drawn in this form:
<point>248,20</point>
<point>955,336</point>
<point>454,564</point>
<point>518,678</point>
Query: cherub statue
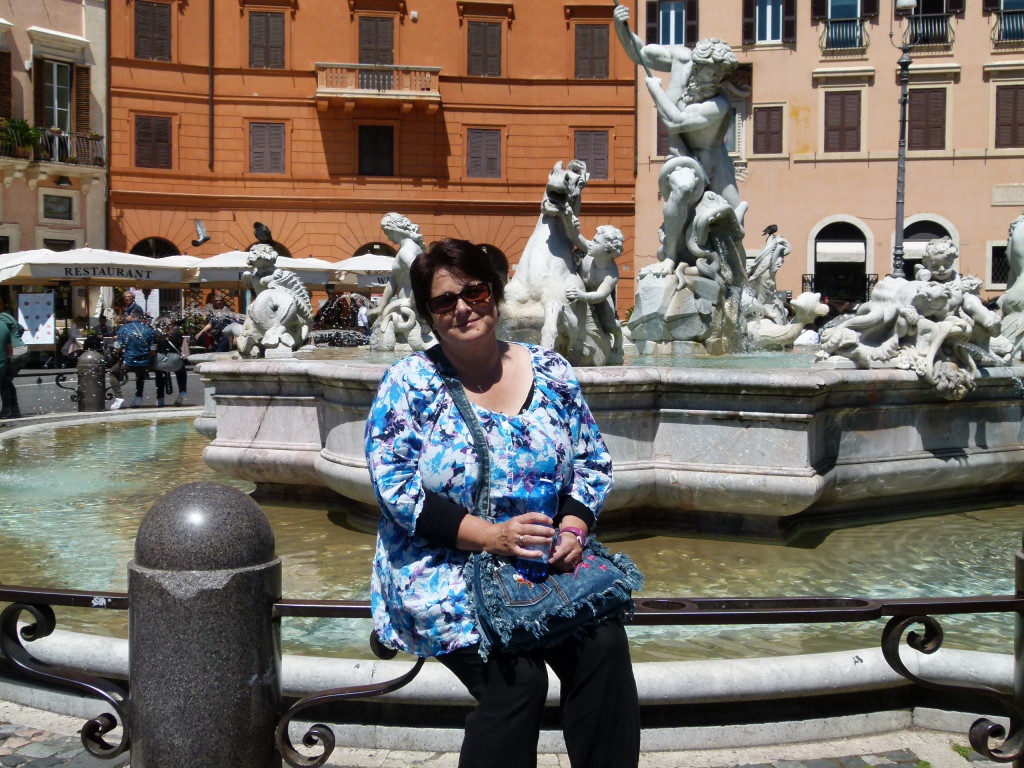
<point>281,313</point>
<point>395,318</point>
<point>600,275</point>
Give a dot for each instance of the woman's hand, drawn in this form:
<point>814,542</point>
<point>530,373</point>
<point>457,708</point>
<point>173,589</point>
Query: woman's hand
<point>568,553</point>
<point>514,535</point>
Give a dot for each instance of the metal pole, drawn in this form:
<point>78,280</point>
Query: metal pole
<point>901,165</point>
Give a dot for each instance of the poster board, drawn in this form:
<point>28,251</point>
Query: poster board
<point>36,314</point>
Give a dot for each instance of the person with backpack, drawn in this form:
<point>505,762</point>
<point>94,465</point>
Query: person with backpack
<point>10,336</point>
<point>137,342</point>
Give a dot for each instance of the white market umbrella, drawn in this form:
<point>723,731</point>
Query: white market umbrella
<point>367,264</point>
<point>92,266</point>
<point>225,269</point>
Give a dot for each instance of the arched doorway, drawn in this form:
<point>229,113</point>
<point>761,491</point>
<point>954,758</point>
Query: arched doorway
<point>164,301</point>
<point>378,249</point>
<point>840,265</point>
<point>281,250</point>
<point>155,248</point>
<point>916,237</point>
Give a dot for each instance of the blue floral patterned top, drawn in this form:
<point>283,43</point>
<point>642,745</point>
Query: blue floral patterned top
<point>416,441</point>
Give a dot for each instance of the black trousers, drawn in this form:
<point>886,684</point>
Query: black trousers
<point>600,711</point>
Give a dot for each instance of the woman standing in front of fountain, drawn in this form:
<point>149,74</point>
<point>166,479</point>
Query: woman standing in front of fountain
<point>421,460</point>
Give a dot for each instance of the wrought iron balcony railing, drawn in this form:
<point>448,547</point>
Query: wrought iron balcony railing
<point>66,147</point>
<point>1009,27</point>
<point>359,81</point>
<point>843,34</point>
<point>929,29</point>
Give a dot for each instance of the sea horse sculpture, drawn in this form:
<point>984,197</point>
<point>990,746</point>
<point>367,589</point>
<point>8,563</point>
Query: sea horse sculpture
<point>281,315</point>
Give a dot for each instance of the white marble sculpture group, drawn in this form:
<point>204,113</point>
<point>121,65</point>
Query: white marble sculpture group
<point>280,315</point>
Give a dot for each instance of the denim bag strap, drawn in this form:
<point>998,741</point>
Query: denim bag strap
<point>482,493</point>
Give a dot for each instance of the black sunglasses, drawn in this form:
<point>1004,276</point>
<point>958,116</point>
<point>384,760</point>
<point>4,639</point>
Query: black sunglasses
<point>474,293</point>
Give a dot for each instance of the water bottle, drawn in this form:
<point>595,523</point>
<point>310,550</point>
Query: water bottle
<point>542,498</point>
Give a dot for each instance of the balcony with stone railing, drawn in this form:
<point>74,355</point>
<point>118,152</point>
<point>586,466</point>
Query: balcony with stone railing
<point>352,83</point>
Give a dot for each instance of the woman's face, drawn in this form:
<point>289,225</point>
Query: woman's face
<point>467,322</point>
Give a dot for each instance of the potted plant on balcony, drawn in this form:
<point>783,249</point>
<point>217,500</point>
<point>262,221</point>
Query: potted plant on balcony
<point>22,137</point>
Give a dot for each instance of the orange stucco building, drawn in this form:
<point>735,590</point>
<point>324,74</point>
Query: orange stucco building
<point>317,117</point>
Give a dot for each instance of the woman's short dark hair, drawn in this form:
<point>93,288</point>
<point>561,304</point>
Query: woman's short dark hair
<point>453,255</point>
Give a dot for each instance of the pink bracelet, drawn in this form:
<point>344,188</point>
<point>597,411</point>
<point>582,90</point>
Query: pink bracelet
<point>579,533</point>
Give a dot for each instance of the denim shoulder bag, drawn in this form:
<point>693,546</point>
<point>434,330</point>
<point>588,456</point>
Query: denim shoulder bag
<point>514,614</point>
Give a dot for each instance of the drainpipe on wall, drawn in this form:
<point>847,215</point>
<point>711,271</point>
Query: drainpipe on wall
<point>210,86</point>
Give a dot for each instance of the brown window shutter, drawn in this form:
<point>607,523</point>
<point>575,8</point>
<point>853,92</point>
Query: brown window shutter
<point>6,96</point>
<point>651,35</point>
<point>492,47</point>
<point>842,121</point>
<point>258,147</point>
<point>868,9</point>
<point>39,91</point>
<point>1010,116</point>
<point>162,32</point>
<point>591,51</point>
<point>749,33</point>
<point>162,141</point>
<point>990,6</point>
<point>83,99</point>
<point>477,49</point>
<point>592,148</point>
<point>275,40</point>
<point>152,141</point>
<point>789,21</point>
<point>152,30</point>
<point>767,130</point>
<point>955,7</point>
<point>819,10</point>
<point>661,142</point>
<point>376,40</point>
<point>143,30</point>
<point>143,141</point>
<point>492,154</point>
<point>257,40</point>
<point>692,25</point>
<point>474,154</point>
<point>926,119</point>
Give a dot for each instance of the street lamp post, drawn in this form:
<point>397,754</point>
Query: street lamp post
<point>901,157</point>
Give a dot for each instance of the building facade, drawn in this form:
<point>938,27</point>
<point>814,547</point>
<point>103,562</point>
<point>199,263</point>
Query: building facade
<point>318,117</point>
<point>53,100</point>
<point>816,143</point>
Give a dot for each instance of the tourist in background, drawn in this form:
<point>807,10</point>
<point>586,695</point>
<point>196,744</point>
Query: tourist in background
<point>363,317</point>
<point>131,307</point>
<point>137,342</point>
<point>170,339</point>
<point>8,394</point>
<point>418,447</point>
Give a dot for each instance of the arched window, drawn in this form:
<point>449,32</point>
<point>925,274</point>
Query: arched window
<point>840,259</point>
<point>377,249</point>
<point>155,248</point>
<point>281,250</point>
<point>916,237</point>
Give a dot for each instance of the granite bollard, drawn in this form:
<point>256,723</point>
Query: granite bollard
<point>205,653</point>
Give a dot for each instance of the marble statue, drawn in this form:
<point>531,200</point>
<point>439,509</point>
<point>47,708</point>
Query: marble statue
<point>536,306</point>
<point>600,276</point>
<point>765,267</point>
<point>1012,301</point>
<point>765,333</point>
<point>280,316</point>
<point>935,325</point>
<point>395,319</point>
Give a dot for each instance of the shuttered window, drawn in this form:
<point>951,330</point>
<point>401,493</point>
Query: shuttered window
<point>926,119</point>
<point>152,141</point>
<point>376,150</point>
<point>485,48</point>
<point>767,130</point>
<point>152,30</point>
<point>592,51</point>
<point>592,148</point>
<point>483,153</point>
<point>83,76</point>
<point>6,93</point>
<point>672,22</point>
<point>661,140</point>
<point>266,40</point>
<point>376,46</point>
<point>266,147</point>
<point>769,21</point>
<point>1010,116</point>
<point>842,121</point>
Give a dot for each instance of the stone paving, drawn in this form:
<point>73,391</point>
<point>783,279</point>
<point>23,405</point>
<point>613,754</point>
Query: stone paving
<point>28,747</point>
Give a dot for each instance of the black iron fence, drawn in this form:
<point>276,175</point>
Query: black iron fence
<point>163,600</point>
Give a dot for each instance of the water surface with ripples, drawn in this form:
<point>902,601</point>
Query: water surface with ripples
<point>72,498</point>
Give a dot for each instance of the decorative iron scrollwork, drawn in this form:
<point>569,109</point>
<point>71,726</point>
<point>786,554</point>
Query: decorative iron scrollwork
<point>44,624</point>
<point>60,379</point>
<point>983,731</point>
<point>322,734</point>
